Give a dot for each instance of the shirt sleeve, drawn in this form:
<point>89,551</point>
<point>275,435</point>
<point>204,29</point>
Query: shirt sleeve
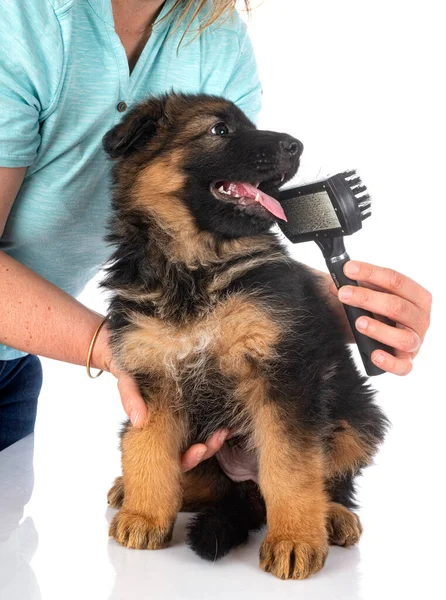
<point>31,56</point>
<point>244,87</point>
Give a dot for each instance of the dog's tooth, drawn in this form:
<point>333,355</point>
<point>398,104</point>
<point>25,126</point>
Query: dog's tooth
<point>221,189</point>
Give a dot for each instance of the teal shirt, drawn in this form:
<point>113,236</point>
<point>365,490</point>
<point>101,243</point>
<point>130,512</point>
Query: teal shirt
<point>63,72</point>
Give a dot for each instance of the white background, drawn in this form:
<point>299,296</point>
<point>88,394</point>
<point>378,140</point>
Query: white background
<point>360,84</point>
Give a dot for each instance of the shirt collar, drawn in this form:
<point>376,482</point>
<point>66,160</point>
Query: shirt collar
<point>103,9</point>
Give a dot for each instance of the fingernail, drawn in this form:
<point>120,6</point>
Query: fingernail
<point>380,358</point>
<point>134,417</point>
<point>200,453</point>
<point>221,438</point>
<point>416,345</point>
<point>362,323</point>
<point>352,268</point>
<point>345,293</point>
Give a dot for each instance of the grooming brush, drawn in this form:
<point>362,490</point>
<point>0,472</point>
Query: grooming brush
<point>323,212</point>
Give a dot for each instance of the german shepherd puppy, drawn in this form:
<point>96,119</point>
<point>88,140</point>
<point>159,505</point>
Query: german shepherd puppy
<point>222,329</point>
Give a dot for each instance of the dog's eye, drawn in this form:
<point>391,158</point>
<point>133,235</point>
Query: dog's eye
<point>220,129</point>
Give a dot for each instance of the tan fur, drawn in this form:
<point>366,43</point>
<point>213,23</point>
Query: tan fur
<point>292,483</point>
<point>115,496</point>
<point>236,332</point>
<point>223,280</point>
<point>198,489</point>
<point>247,334</point>
<point>343,526</point>
<point>156,187</point>
<point>348,451</point>
<point>152,480</point>
<point>201,489</point>
<point>198,121</point>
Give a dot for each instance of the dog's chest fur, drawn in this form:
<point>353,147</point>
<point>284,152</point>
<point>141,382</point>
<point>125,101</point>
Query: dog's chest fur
<point>203,361</point>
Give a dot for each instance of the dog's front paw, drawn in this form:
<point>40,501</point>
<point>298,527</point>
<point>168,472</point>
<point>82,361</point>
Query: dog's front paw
<point>292,559</point>
<point>344,527</point>
<point>137,531</point>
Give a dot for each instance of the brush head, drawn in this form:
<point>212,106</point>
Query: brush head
<point>330,207</point>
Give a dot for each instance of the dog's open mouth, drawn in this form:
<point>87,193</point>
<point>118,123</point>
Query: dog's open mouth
<point>246,194</point>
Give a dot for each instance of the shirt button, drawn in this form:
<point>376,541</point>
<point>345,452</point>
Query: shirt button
<point>122,106</point>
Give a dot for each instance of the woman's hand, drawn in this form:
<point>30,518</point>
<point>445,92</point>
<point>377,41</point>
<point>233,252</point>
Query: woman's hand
<point>137,411</point>
<point>401,308</point>
<point>199,452</point>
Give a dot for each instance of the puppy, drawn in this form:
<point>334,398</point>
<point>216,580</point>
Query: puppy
<point>222,329</point>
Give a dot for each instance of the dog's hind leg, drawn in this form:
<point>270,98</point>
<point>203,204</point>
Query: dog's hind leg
<point>204,485</point>
<point>349,451</point>
<point>343,526</point>
<point>115,496</point>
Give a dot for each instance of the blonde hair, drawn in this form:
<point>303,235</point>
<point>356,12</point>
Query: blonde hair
<point>216,10</point>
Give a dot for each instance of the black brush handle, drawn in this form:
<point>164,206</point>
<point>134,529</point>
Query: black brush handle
<point>366,345</point>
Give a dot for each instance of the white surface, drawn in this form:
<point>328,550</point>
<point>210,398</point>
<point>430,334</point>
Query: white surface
<point>389,124</point>
<point>56,546</point>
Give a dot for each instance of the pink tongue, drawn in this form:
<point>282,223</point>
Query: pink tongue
<point>250,191</point>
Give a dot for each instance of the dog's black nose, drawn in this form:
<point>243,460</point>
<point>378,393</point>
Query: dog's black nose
<point>291,145</point>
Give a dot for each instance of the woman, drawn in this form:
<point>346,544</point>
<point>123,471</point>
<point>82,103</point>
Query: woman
<point>71,68</point>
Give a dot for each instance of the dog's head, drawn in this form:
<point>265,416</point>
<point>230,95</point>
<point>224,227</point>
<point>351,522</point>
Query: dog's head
<point>204,152</point>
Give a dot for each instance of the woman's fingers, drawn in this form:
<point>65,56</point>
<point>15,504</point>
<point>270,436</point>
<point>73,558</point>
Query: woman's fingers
<point>400,338</point>
<point>136,409</point>
<point>393,307</point>
<point>401,309</point>
<point>401,364</point>
<point>199,452</point>
<point>390,281</point>
<point>131,399</point>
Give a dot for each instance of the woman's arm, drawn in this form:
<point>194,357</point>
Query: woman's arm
<point>35,315</point>
<point>39,318</point>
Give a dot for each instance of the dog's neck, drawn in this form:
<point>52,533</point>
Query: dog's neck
<point>194,249</point>
<point>180,273</point>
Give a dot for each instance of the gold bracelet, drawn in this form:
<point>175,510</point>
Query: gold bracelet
<point>90,350</point>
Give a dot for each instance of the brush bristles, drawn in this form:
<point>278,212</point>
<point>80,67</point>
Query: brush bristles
<point>359,191</point>
<point>364,202</point>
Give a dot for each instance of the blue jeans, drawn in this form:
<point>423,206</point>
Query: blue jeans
<point>20,384</point>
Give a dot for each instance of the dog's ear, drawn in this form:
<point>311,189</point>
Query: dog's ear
<point>135,131</point>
